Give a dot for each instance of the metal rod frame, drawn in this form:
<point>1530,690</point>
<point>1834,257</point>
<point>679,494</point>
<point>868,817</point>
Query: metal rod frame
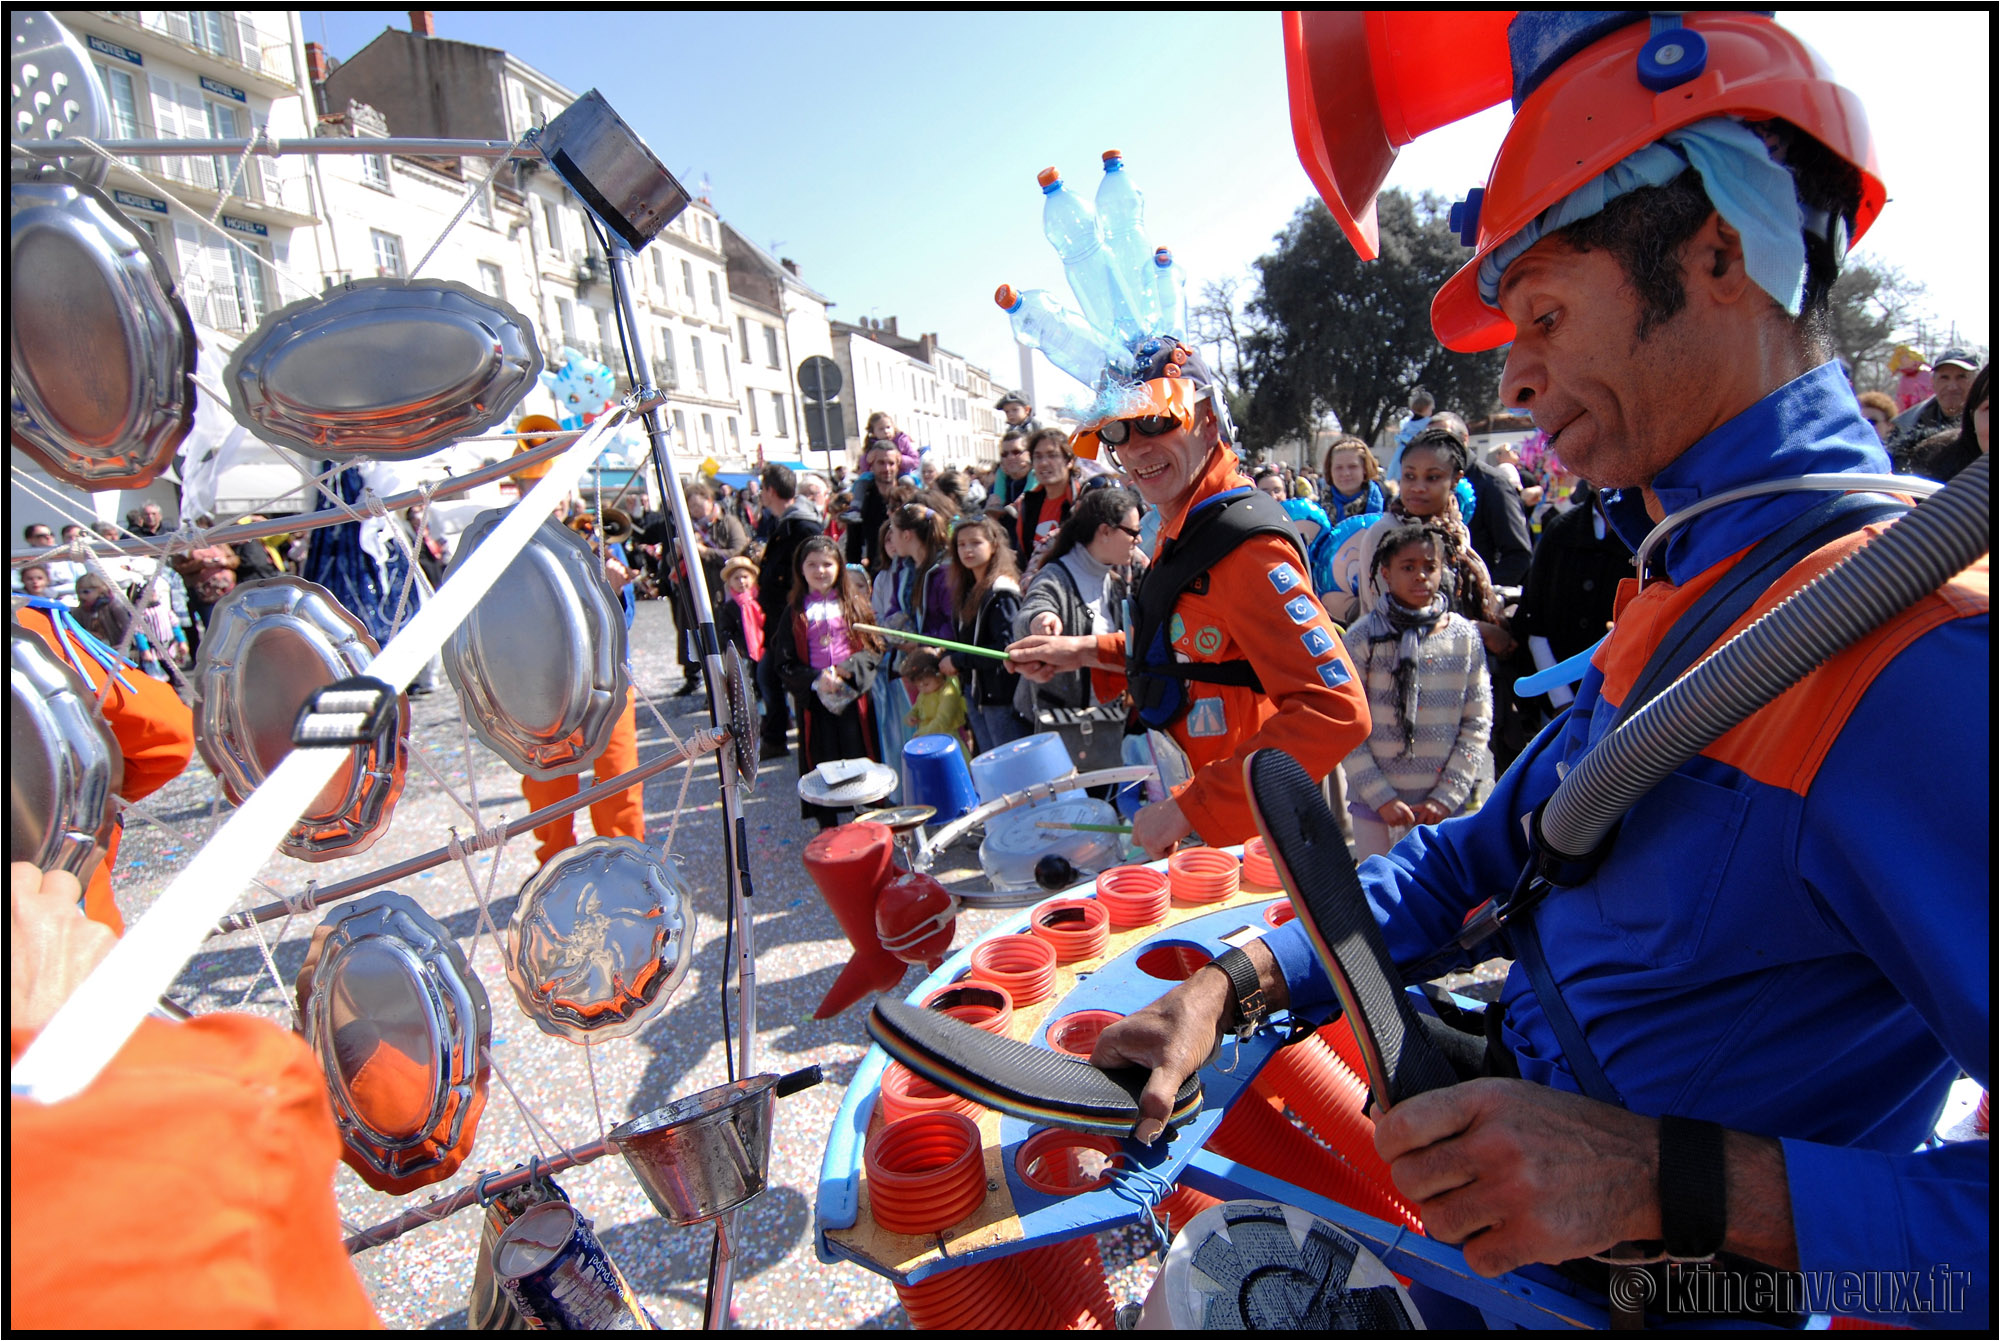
<point>483,1188</point>
<point>735,834</point>
<point>450,487</point>
<point>271,146</point>
<point>704,742</point>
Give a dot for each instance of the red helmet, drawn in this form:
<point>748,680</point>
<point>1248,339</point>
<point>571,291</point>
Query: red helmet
<point>1604,102</point>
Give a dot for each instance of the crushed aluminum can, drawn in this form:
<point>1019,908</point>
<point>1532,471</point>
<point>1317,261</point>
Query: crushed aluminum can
<point>561,1279</point>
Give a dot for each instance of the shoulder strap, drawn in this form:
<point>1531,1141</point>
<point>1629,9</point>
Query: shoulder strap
<point>1685,643</point>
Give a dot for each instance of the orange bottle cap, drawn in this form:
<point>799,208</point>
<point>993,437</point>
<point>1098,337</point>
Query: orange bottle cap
<point>1110,154</point>
<point>1048,177</point>
<point>1006,295</point>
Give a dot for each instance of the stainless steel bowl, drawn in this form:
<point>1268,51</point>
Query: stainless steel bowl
<point>64,767</point>
<point>100,349</point>
<point>270,644</point>
<point>704,1155</point>
<point>539,664</point>
<point>388,369</point>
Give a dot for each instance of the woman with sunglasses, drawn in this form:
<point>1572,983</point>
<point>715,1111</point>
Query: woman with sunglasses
<point>1243,656</point>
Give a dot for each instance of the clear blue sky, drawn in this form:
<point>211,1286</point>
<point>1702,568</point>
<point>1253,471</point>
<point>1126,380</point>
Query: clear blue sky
<point>893,155</point>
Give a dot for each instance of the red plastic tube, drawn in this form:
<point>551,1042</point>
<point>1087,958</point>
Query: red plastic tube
<point>995,1295</point>
<point>1258,868</point>
<point>1339,1035</point>
<point>1256,1134</point>
<point>1071,1278</point>
<point>1203,875</point>
<point>1172,963</point>
<point>1024,965</point>
<point>1063,1163</point>
<point>1077,928</point>
<point>1136,896</point>
<point>905,1094</point>
<point>925,1173</point>
<point>1182,1205</point>
<point>1076,1035</point>
<point>1279,913</point>
<point>985,1005</point>
<point>1312,1080</point>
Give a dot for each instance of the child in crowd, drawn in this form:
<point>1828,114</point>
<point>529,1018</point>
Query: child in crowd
<point>740,621</point>
<point>1353,480</point>
<point>986,592</point>
<point>827,663</point>
<point>1429,698</point>
<point>940,708</point>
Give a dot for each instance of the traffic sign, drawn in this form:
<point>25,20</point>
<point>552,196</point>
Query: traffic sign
<point>826,429</point>
<point>819,378</point>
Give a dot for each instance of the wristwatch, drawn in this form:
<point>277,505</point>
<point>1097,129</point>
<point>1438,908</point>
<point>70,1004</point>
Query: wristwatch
<point>1251,1008</point>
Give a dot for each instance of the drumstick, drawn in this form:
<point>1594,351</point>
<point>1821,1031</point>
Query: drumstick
<point>1083,828</point>
<point>966,648</point>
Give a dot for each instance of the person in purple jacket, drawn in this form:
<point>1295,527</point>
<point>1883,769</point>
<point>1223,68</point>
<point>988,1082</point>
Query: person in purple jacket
<point>1728,1040</point>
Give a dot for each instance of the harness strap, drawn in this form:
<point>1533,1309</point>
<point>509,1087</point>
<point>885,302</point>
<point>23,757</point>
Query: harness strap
<point>1685,643</point>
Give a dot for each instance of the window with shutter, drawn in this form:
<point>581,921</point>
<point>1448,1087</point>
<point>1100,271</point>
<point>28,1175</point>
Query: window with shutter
<point>715,292</point>
<point>667,370</point>
<point>771,345</point>
<point>751,401</point>
<point>687,285</point>
<point>700,371</point>
<point>566,320</point>
<point>552,226</point>
<point>708,432</point>
<point>778,414</point>
<point>492,281</point>
<point>743,337</point>
<point>735,438</point>
<point>388,249</point>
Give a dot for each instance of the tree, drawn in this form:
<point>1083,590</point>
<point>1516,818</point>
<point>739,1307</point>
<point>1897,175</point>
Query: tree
<point>1216,323</point>
<point>1875,307</point>
<point>1333,333</point>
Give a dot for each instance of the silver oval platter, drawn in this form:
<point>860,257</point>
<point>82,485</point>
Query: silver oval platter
<point>400,1025</point>
<point>270,644</point>
<point>100,348</point>
<point>600,939</point>
<point>386,369</point>
<point>64,767</point>
<point>539,664</point>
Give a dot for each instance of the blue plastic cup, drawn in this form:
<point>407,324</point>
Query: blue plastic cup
<point>935,774</point>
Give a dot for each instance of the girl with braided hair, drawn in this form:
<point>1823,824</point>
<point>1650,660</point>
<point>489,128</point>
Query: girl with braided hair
<point>1429,698</point>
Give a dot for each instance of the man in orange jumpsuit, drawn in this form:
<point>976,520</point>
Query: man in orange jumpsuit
<point>154,730</point>
<point>1243,657</point>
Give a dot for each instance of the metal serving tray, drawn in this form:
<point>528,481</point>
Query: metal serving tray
<point>400,1025</point>
<point>383,369</point>
<point>600,939</point>
<point>270,644</point>
<point>64,767</point>
<point>100,348</point>
<point>539,664</point>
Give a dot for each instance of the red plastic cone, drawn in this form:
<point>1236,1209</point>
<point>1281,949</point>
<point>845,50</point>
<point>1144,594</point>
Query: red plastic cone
<point>849,864</point>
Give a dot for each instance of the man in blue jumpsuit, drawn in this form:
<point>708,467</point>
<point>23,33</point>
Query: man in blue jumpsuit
<point>1791,936</point>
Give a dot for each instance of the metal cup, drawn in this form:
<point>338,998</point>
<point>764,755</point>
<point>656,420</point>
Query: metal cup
<point>704,1155</point>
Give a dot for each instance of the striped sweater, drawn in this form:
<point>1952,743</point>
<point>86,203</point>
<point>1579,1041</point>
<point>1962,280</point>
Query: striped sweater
<point>1454,716</point>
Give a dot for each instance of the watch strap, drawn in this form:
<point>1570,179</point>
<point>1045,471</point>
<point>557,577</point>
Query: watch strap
<point>1694,1188</point>
<point>1242,974</point>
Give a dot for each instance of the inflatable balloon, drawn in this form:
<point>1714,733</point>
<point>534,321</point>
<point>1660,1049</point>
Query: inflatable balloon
<point>582,387</point>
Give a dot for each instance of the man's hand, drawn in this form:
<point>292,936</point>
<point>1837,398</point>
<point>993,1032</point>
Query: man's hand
<point>1396,815</point>
<point>1045,624</point>
<point>1519,1173</point>
<point>1173,1037</point>
<point>1042,657</point>
<point>947,667</point>
<point>617,574</point>
<point>1159,826</point>
<point>1428,811</point>
<point>52,946</point>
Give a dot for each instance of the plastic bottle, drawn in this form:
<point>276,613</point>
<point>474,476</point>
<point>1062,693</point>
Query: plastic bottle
<point>1170,292</point>
<point>1070,225</point>
<point>1045,322</point>
<point>1121,217</point>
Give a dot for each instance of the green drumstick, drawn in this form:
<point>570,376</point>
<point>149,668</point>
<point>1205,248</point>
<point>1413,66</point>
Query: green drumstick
<point>966,648</point>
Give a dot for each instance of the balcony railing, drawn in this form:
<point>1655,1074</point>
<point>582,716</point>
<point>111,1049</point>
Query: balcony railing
<point>228,34</point>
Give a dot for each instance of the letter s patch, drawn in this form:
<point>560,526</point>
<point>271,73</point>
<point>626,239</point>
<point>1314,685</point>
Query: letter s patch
<point>1284,577</point>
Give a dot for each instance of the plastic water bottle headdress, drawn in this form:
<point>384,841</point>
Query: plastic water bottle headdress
<point>1129,344</point>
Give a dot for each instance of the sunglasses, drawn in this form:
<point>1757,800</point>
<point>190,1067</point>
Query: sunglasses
<point>1118,431</point>
<point>1132,531</point>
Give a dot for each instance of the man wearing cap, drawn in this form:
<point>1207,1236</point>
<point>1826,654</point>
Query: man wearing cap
<point>1229,654</point>
<point>1951,378</point>
<point>1765,1019</point>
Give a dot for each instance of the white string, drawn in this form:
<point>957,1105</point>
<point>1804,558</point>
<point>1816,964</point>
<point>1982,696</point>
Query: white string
<point>590,1068</point>
<point>158,183</point>
<point>527,1117</point>
<point>466,203</point>
<point>236,177</point>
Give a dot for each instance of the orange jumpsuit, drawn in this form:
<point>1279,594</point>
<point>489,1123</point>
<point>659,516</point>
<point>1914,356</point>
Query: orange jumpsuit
<point>620,815</point>
<point>189,1187</point>
<point>155,733</point>
<point>1258,606</point>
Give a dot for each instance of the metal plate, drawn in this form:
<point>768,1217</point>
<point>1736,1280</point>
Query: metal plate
<point>270,644</point>
<point>605,162</point>
<point>55,93</point>
<point>744,732</point>
<point>64,767</point>
<point>400,1025</point>
<point>387,369</point>
<point>600,939</point>
<point>101,351</point>
<point>872,786</point>
<point>539,664</point>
